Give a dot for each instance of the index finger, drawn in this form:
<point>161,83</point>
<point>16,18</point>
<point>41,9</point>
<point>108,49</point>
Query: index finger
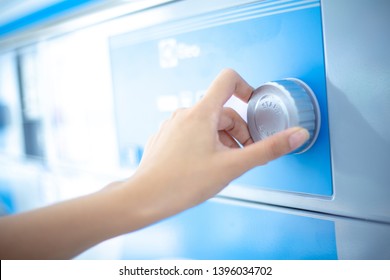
<point>227,83</point>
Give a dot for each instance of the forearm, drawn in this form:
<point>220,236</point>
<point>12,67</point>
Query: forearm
<point>64,230</point>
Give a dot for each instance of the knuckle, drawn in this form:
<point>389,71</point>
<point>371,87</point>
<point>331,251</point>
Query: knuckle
<point>229,72</point>
<point>177,112</point>
<point>229,118</point>
<point>113,185</point>
<point>229,111</point>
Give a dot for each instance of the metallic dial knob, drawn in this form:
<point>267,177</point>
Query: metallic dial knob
<point>278,105</point>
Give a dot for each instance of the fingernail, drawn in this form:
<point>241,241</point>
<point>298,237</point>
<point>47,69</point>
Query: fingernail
<point>298,138</point>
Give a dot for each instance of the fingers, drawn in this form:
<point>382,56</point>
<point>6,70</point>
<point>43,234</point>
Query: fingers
<point>234,125</point>
<point>227,140</point>
<point>266,150</point>
<point>227,83</point>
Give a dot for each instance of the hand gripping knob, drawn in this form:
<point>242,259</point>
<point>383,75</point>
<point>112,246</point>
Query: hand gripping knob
<point>278,105</point>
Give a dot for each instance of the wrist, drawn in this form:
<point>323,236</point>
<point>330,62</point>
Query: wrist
<point>150,198</point>
<point>135,203</point>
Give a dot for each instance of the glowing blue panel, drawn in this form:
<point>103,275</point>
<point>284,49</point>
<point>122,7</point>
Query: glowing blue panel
<point>217,230</point>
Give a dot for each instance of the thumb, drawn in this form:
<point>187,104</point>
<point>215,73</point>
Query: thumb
<point>269,149</point>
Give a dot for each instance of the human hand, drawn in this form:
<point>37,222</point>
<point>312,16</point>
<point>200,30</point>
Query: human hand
<point>194,155</point>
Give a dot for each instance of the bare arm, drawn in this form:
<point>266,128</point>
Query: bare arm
<point>192,158</point>
<point>66,229</point>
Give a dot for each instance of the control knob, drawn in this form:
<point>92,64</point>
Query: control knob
<point>278,105</point>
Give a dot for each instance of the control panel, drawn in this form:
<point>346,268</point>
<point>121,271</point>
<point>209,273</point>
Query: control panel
<point>161,68</point>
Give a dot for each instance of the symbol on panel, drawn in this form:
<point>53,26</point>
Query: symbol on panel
<point>171,51</point>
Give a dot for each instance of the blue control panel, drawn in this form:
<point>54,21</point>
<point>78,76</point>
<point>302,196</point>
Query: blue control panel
<point>159,69</point>
<point>221,230</point>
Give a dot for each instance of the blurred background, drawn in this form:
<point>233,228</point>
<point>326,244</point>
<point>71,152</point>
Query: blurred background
<point>57,134</point>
